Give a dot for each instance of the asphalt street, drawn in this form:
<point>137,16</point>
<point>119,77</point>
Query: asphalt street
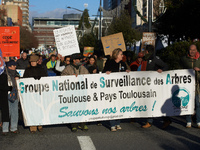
<point>131,137</point>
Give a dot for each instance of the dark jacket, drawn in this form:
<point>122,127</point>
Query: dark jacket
<point>22,64</point>
<point>112,66</point>
<point>13,74</point>
<point>91,68</point>
<point>36,72</point>
<point>190,63</point>
<point>4,88</point>
<point>154,63</point>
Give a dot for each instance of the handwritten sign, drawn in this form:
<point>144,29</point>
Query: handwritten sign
<point>10,41</point>
<point>66,41</point>
<point>149,38</point>
<point>112,42</point>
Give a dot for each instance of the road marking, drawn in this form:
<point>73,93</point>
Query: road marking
<point>86,143</point>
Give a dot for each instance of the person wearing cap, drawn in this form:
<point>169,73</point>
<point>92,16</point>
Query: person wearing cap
<point>36,72</point>
<point>139,64</point>
<point>12,75</point>
<point>76,68</point>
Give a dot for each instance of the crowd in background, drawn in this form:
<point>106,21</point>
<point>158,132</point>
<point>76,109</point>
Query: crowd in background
<point>38,66</point>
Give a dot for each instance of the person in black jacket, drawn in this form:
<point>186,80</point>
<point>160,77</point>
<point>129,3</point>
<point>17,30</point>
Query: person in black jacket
<point>154,63</point>
<point>4,88</point>
<point>23,62</point>
<point>115,64</point>
<point>36,72</point>
<point>92,65</point>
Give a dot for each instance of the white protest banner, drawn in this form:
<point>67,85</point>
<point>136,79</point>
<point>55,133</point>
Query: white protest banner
<point>86,98</point>
<point>66,40</point>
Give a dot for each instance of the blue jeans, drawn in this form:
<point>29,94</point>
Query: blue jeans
<point>197,106</point>
<point>114,123</point>
<point>13,112</point>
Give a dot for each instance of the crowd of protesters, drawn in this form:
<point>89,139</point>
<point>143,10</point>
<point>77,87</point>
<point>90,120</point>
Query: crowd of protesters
<point>38,66</point>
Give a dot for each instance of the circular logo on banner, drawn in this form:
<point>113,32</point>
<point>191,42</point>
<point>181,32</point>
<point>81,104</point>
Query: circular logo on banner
<point>181,97</point>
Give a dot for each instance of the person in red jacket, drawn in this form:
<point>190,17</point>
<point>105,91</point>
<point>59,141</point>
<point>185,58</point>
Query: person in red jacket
<point>139,64</point>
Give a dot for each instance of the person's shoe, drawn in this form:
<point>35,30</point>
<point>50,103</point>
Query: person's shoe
<point>15,132</point>
<point>99,124</point>
<point>118,127</point>
<point>113,129</point>
<point>188,125</point>
<point>5,133</point>
<point>84,128</point>
<point>147,125</point>
<point>166,124</point>
<point>33,132</point>
<point>198,125</point>
<point>40,129</point>
<point>74,129</point>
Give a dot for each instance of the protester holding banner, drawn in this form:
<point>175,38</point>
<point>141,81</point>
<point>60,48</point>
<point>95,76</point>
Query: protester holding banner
<point>76,68</point>
<point>36,72</point>
<point>23,62</point>
<point>92,65</point>
<point>154,63</point>
<point>13,101</point>
<point>115,64</point>
<point>4,88</point>
<point>192,61</point>
<point>62,62</point>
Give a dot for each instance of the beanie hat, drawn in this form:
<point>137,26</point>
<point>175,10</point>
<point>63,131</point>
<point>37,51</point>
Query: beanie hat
<point>10,63</point>
<point>77,56</point>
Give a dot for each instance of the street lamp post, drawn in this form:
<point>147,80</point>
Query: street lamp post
<point>82,17</point>
<point>150,16</point>
<point>100,21</point>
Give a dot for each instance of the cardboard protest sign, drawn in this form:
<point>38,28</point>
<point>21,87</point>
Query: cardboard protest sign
<point>88,51</point>
<point>66,41</point>
<point>148,38</point>
<point>112,42</point>
<point>10,41</point>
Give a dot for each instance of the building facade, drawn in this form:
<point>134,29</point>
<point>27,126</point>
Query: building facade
<point>14,12</point>
<point>138,9</point>
<point>24,5</point>
<point>43,27</point>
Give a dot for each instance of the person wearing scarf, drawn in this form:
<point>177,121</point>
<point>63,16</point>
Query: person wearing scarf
<point>13,75</point>
<point>76,68</point>
<point>192,61</point>
<point>36,72</point>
